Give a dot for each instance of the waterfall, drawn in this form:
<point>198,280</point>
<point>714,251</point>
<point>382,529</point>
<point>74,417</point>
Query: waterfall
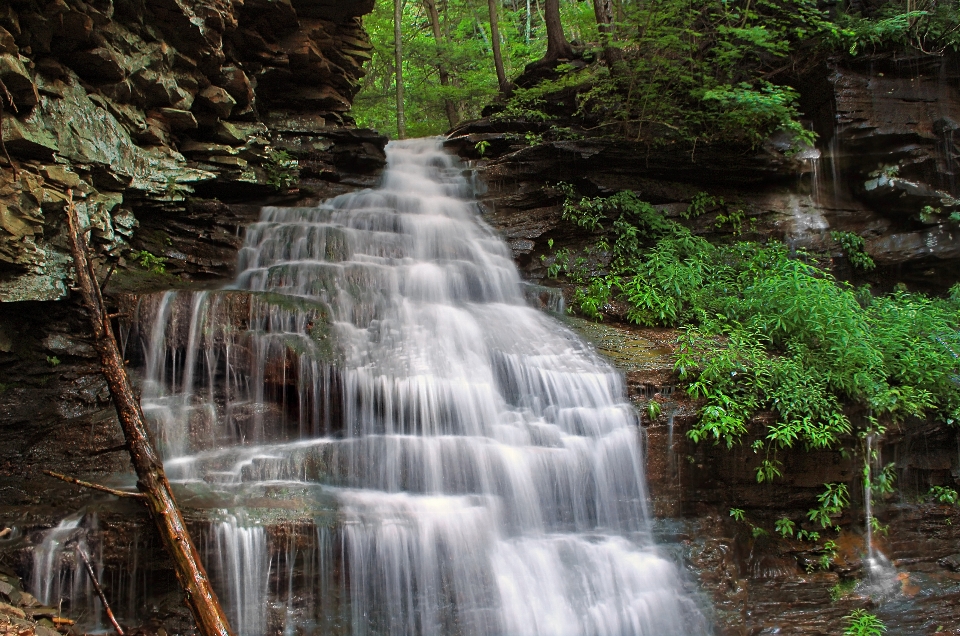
<point>471,466</point>
<point>51,581</point>
<point>59,576</point>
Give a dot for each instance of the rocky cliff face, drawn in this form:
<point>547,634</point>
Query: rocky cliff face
<point>147,111</point>
<point>170,124</point>
<point>885,167</point>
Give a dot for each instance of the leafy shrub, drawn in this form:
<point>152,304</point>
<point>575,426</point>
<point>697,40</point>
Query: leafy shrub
<point>151,262</point>
<point>784,527</point>
<point>944,495</point>
<point>833,500</point>
<point>862,623</point>
<point>854,248</point>
<point>282,169</point>
<point>924,25</point>
<point>764,329</point>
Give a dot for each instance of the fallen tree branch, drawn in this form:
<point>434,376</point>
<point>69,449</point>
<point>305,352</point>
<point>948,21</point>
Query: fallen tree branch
<point>99,591</point>
<point>151,478</point>
<point>87,484</point>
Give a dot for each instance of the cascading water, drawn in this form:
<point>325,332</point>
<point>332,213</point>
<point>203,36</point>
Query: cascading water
<point>468,465</point>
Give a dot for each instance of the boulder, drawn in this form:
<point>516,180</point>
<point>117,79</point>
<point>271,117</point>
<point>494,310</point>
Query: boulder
<point>98,66</point>
<point>15,77</point>
<point>178,119</point>
<point>217,100</point>
<point>237,84</point>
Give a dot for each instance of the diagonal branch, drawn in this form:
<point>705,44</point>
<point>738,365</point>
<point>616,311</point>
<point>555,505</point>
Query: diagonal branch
<point>87,484</point>
<point>152,480</point>
<point>99,591</point>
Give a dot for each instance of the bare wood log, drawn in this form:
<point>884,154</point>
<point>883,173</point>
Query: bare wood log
<point>87,484</point>
<point>152,480</point>
<point>99,591</point>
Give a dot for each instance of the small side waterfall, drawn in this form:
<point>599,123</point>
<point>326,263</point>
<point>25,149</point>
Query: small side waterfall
<point>51,581</point>
<point>468,464</point>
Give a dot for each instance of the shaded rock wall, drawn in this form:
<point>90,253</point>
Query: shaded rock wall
<point>143,108</point>
<point>761,582</point>
<point>163,119</point>
<point>885,167</point>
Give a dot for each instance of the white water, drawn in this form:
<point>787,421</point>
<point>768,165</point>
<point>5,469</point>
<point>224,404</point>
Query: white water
<point>483,464</point>
<point>52,582</point>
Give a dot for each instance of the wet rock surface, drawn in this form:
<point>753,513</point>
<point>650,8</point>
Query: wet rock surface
<point>885,168</point>
<point>22,615</point>
<point>768,584</point>
<point>145,112</point>
<point>170,125</point>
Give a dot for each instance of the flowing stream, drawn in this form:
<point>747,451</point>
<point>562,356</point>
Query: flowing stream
<point>378,422</point>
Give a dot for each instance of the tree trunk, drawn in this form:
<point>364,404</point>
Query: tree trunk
<point>495,40</point>
<point>151,479</point>
<point>431,6</point>
<point>603,10</point>
<point>557,46</point>
<point>398,54</point>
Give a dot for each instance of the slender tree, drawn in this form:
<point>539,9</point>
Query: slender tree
<point>528,22</point>
<point>557,46</point>
<point>398,55</point>
<point>431,7</point>
<point>603,10</point>
<point>495,41</point>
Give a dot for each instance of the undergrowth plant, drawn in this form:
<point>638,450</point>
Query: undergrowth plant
<point>282,169</point>
<point>854,248</point>
<point>764,329</point>
<point>862,623</point>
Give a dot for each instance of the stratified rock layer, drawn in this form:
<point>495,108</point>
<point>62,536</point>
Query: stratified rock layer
<point>139,109</point>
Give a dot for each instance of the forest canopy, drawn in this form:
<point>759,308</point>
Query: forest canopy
<point>710,70</point>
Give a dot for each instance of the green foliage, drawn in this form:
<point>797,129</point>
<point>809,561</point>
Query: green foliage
<point>768,471</point>
<point>653,409</point>
<point>738,514</point>
<point>751,111</point>
<point>692,71</point>
<point>928,26</point>
<point>862,623</point>
<point>944,495</point>
<point>842,589</point>
<point>877,527</point>
<point>829,554</point>
<point>282,169</point>
<point>762,329</point>
<point>883,482</point>
<point>482,146</point>
<point>592,298</point>
<point>465,52</point>
<point>832,500</point>
<point>53,361</point>
<point>853,246</point>
<point>150,262</point>
<point>784,527</point>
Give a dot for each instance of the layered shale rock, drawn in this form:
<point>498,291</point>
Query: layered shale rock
<point>152,114</point>
<point>885,167</point>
